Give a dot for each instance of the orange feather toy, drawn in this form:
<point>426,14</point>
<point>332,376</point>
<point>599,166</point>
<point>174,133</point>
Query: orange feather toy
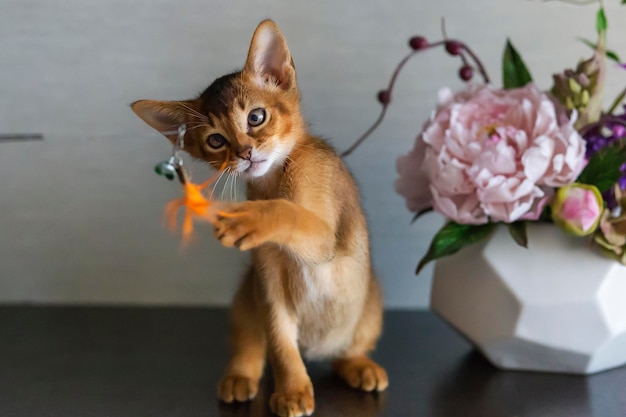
<point>196,205</point>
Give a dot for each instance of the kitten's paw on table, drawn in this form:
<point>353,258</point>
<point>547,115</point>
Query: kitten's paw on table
<point>362,373</point>
<point>237,388</point>
<point>293,403</point>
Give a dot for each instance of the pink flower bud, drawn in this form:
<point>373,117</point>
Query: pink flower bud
<point>577,208</point>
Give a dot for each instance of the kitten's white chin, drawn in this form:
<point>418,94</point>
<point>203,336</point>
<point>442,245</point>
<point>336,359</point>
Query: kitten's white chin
<point>258,169</point>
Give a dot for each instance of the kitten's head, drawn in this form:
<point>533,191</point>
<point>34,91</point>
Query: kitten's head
<point>251,117</point>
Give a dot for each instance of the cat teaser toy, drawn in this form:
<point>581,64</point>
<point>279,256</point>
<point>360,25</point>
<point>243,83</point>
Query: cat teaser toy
<point>196,204</point>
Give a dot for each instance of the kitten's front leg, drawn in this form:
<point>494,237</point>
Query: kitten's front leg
<point>293,392</point>
<point>250,224</point>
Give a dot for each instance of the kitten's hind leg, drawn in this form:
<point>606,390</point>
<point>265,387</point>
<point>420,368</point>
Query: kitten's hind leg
<point>354,366</point>
<point>241,380</point>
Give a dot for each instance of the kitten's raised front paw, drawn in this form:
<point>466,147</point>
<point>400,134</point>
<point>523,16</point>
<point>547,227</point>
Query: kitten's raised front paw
<point>293,403</point>
<point>237,388</point>
<point>240,225</point>
<point>362,373</point>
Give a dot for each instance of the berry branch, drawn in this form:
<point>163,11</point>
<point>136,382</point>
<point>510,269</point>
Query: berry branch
<point>420,44</point>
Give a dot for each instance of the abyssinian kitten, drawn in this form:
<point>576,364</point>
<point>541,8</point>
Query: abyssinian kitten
<point>311,290</point>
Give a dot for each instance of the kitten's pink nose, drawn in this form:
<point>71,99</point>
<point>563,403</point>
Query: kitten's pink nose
<point>245,152</point>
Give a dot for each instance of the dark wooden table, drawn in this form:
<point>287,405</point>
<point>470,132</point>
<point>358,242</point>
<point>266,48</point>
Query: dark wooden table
<point>158,362</point>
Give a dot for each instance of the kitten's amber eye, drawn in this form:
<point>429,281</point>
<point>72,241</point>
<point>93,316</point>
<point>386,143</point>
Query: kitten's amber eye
<point>256,117</point>
<point>216,141</point>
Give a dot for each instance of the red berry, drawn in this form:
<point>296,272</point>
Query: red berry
<point>384,97</point>
<point>453,47</point>
<point>466,73</point>
<point>418,42</point>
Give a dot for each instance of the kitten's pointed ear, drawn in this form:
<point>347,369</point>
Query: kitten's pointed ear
<point>164,116</point>
<point>269,61</point>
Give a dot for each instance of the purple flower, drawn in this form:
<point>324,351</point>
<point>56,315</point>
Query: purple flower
<point>606,132</point>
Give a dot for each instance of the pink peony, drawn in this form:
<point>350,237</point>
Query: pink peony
<point>491,155</point>
<point>577,208</point>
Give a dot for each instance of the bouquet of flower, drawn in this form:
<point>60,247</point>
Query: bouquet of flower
<point>515,154</point>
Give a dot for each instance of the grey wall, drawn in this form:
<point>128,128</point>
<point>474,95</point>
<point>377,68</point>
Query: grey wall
<point>80,214</point>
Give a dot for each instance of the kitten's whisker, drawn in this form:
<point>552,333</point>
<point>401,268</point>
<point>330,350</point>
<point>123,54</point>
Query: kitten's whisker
<point>225,184</point>
<point>201,123</point>
<point>232,188</point>
<point>239,175</point>
<point>215,184</point>
<point>197,126</point>
<point>190,109</point>
<point>196,115</point>
<point>194,112</point>
<point>194,125</point>
<point>193,115</point>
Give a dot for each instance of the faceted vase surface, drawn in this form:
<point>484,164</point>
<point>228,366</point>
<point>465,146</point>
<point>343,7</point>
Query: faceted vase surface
<point>558,306</point>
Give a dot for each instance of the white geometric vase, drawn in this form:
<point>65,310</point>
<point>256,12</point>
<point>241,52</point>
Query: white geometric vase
<point>558,306</point>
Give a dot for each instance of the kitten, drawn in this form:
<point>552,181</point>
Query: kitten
<point>311,290</point>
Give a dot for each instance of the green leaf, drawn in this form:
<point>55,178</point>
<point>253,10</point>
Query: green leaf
<point>601,22</point>
<point>609,54</point>
<point>603,169</point>
<point>420,213</point>
<point>546,214</point>
<point>613,56</point>
<point>453,237</point>
<point>514,71</point>
<point>518,232</point>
